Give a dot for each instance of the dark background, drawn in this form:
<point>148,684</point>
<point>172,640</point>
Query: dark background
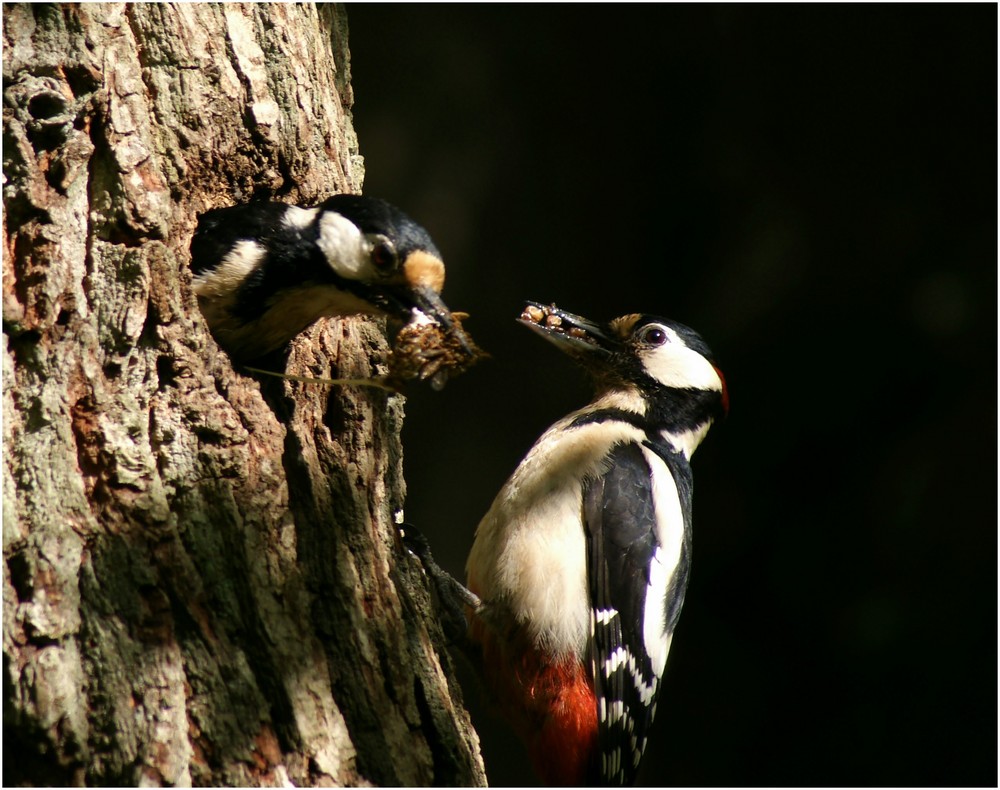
<point>814,189</point>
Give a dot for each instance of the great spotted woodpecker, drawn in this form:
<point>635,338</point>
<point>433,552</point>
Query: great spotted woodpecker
<point>263,272</point>
<point>579,568</point>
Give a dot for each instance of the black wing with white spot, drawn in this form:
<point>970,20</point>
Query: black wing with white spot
<point>220,229</point>
<point>636,587</point>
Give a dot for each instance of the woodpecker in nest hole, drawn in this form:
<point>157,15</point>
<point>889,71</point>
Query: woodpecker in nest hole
<point>263,272</point>
<point>577,574</point>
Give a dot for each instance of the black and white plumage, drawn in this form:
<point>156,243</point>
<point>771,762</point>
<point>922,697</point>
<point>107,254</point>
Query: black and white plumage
<point>583,559</point>
<point>638,559</point>
<point>263,272</point>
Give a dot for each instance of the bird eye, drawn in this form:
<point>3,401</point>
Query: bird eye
<point>652,335</point>
<point>383,254</point>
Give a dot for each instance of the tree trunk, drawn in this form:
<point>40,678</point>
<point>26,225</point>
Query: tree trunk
<point>203,582</point>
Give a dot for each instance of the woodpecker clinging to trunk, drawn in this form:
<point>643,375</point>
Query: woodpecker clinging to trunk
<point>579,569</point>
<point>263,272</point>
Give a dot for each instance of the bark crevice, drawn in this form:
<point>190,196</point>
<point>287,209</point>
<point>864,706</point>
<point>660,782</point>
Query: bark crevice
<point>203,582</point>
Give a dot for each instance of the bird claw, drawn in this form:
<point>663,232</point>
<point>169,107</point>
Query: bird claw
<point>415,542</point>
<point>453,600</point>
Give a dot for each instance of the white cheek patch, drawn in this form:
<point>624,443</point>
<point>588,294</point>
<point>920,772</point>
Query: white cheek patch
<point>345,248</point>
<point>675,365</point>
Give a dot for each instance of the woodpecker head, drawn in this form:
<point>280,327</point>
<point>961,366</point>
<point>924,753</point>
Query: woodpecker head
<point>265,271</point>
<point>390,260</point>
<point>665,364</point>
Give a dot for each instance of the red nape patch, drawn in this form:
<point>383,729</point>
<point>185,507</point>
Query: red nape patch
<point>551,705</point>
<point>725,392</point>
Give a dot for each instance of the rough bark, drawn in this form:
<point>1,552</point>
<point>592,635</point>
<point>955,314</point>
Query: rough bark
<point>202,579</point>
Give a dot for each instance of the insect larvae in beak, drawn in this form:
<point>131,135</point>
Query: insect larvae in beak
<point>533,314</point>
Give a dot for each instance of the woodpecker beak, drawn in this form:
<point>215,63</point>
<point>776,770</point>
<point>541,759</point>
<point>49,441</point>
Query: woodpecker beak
<point>572,334</point>
<point>421,304</point>
<point>412,303</point>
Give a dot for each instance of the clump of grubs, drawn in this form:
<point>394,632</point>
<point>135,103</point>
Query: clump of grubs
<point>430,352</point>
<point>548,317</point>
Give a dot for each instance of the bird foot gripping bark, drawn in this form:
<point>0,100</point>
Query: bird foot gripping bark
<point>455,604</point>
